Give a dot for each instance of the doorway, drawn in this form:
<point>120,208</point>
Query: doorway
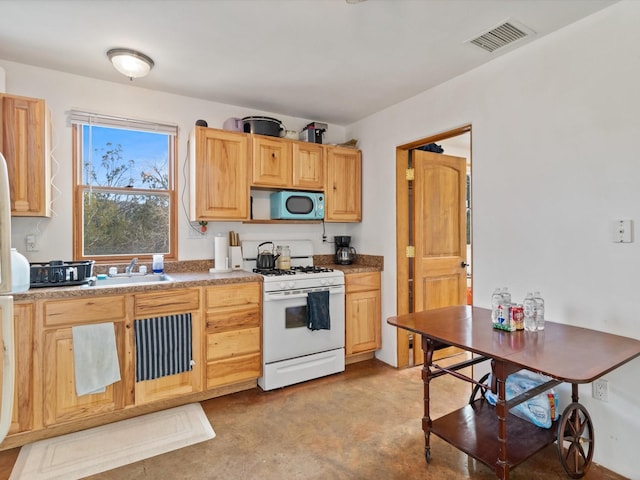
<point>433,230</point>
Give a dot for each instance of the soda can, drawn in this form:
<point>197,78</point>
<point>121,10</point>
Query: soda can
<point>517,317</point>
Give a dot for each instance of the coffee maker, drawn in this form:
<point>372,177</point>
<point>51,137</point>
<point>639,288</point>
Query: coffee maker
<point>345,253</point>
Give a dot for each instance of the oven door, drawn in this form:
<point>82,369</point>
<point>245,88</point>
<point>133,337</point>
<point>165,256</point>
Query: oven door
<point>284,324</point>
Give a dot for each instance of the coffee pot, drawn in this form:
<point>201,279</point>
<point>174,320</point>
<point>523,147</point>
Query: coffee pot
<point>345,255</point>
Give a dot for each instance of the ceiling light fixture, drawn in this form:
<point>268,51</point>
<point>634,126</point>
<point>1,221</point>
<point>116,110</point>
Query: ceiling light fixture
<point>130,63</point>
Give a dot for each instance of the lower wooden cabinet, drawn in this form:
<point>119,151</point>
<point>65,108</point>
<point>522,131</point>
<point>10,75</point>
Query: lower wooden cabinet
<point>233,330</point>
<point>362,313</point>
<point>60,400</point>
<point>226,349</point>
<point>22,417</point>
<point>158,304</point>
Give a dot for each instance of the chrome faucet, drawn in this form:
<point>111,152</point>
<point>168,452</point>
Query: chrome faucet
<point>129,270</point>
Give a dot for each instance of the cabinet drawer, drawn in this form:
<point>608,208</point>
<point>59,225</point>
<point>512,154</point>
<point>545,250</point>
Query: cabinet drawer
<point>234,294</point>
<point>360,282</point>
<point>233,344</point>
<point>232,318</point>
<point>85,310</point>
<point>233,370</point>
<point>165,302</point>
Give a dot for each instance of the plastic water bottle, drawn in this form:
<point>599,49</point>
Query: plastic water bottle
<point>539,310</point>
<point>496,300</point>
<point>506,296</point>
<point>529,305</point>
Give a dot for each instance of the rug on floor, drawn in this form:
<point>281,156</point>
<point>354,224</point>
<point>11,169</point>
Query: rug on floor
<point>96,450</point>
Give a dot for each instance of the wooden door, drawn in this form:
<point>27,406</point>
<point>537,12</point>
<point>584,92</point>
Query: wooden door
<point>439,220</point>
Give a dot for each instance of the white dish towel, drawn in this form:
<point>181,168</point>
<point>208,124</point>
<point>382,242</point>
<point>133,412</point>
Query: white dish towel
<point>95,357</point>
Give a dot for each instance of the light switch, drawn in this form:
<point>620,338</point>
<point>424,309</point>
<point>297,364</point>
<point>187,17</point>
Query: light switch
<point>621,231</point>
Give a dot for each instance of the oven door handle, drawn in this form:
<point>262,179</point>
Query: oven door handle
<point>274,297</point>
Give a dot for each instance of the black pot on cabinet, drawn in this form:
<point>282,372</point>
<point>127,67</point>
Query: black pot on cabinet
<point>263,126</point>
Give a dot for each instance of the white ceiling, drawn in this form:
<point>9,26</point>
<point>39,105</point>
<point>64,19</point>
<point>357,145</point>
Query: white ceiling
<point>325,60</point>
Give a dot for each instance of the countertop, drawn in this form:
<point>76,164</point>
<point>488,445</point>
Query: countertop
<point>179,280</point>
<point>188,274</point>
<point>362,264</point>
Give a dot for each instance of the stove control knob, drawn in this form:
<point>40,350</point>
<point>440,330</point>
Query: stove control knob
<point>323,281</point>
<point>331,281</point>
<point>282,285</point>
<point>291,285</point>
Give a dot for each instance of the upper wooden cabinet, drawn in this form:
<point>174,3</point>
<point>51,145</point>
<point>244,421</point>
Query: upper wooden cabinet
<point>308,165</point>
<point>219,181</point>
<point>24,142</point>
<point>282,163</point>
<point>271,162</point>
<point>343,188</point>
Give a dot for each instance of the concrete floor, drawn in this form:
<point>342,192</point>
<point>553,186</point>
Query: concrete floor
<point>361,424</point>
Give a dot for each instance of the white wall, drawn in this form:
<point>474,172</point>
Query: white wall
<point>555,160</point>
<point>64,91</point>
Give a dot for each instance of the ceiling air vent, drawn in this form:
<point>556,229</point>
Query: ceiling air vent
<point>500,36</point>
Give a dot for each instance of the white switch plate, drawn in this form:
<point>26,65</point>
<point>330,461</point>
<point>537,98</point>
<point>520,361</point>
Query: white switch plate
<point>600,390</point>
<point>621,231</point>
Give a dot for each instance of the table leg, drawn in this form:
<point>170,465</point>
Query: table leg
<point>500,374</point>
<point>428,348</point>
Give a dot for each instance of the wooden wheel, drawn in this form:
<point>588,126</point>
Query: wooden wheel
<point>479,389</point>
<point>575,440</point>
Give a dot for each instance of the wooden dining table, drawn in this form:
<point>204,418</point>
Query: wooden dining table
<point>563,353</point>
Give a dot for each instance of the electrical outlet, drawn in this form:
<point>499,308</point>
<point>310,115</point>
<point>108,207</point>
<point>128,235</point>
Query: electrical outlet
<point>31,242</point>
<point>600,390</point>
<point>194,231</point>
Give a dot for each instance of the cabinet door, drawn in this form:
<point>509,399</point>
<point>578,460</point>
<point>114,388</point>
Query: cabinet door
<point>24,144</point>
<point>157,304</point>
<point>61,403</point>
<point>271,162</point>
<point>22,417</point>
<point>343,190</point>
<point>219,175</point>
<point>308,165</point>
<point>362,312</point>
<point>233,326</point>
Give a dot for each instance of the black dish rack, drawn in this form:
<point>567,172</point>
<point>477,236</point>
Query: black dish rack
<point>57,273</point>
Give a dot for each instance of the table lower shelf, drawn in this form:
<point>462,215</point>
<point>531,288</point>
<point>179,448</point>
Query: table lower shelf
<point>473,429</point>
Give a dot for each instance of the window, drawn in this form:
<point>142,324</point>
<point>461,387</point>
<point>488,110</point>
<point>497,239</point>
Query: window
<point>124,202</point>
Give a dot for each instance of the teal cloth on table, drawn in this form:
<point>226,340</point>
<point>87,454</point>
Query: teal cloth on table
<point>95,357</point>
<point>318,317</point>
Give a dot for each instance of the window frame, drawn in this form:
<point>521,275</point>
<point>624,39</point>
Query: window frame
<point>78,204</point>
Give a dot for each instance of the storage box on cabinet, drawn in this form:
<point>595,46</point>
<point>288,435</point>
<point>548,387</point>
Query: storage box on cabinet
<point>233,326</point>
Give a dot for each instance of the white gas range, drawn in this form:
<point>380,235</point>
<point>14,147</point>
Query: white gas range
<point>292,351</point>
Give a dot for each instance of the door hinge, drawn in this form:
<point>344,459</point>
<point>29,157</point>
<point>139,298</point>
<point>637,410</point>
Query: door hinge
<point>410,174</point>
<point>411,251</point>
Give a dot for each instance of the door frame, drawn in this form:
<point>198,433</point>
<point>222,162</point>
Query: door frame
<point>403,263</point>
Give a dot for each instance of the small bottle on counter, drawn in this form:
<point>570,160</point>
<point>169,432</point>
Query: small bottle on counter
<point>539,310</point>
<point>529,305</point>
<point>158,264</point>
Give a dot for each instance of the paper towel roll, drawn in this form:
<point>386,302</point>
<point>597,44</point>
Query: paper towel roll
<point>221,252</point>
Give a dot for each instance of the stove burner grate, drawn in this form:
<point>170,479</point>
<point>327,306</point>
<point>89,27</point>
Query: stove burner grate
<point>273,272</point>
<point>312,269</point>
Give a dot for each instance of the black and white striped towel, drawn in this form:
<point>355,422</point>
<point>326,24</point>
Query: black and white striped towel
<point>163,346</point>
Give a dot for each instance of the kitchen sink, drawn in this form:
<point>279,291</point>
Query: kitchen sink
<point>132,280</point>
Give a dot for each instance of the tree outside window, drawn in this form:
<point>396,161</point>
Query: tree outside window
<point>125,195</point>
